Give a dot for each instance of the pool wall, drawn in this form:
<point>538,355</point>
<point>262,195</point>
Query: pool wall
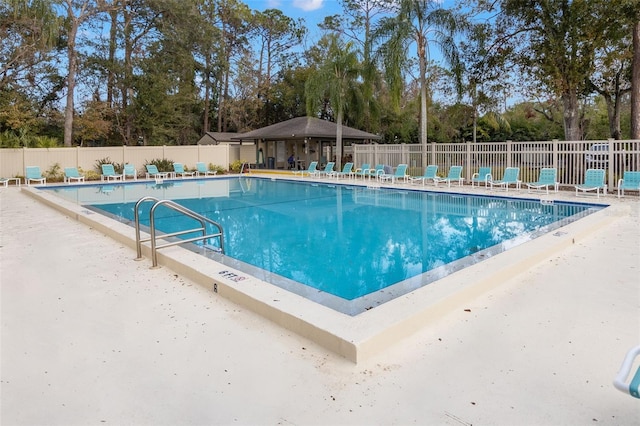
<point>354,337</point>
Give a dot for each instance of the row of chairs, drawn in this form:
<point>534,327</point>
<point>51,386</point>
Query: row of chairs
<point>548,178</point>
<point>594,178</point>
<point>33,175</point>
<point>152,172</point>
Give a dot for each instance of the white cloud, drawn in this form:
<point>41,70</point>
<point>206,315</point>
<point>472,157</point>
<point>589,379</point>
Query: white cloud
<point>273,4</point>
<point>308,5</point>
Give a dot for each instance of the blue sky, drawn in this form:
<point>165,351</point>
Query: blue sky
<point>312,11</point>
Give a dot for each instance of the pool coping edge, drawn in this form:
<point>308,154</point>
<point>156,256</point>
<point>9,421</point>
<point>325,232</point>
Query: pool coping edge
<point>359,337</point>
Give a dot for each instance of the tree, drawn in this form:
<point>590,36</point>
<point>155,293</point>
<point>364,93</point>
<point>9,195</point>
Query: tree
<point>233,22</point>
<point>167,97</point>
<point>277,34</point>
<point>139,19</point>
<point>553,44</point>
<point>612,77</point>
<point>209,53</point>
<point>357,24</point>
<point>29,30</point>
<point>29,81</point>
<point>635,88</point>
<point>631,10</point>
<point>78,12</point>
<point>422,22</point>
<point>334,85</point>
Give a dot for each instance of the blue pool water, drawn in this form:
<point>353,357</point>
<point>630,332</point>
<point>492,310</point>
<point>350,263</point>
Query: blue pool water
<point>340,241</point>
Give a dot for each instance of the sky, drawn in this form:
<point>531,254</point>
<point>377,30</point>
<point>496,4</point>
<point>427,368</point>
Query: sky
<point>312,11</point>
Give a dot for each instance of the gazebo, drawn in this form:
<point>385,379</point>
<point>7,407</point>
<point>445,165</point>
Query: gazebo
<point>305,138</point>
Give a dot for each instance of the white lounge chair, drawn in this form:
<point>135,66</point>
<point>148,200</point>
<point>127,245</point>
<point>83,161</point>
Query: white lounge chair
<point>310,171</point>
<point>179,170</point>
<point>593,181</point>
<point>109,173</point>
<point>482,176</point>
<point>630,181</point>
<point>32,173</point>
<point>201,169</point>
<point>620,382</point>
<point>430,174</point>
<point>71,174</point>
<point>347,171</point>
<point>510,178</point>
<point>548,177</point>
<point>362,171</point>
<point>400,174</point>
<point>455,174</point>
<point>154,173</point>
<point>327,169</point>
<point>129,170</point>
<point>376,172</point>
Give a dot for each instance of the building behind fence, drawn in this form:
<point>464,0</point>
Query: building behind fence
<point>570,158</point>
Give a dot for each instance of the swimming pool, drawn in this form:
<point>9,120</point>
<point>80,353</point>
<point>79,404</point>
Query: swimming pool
<point>348,247</point>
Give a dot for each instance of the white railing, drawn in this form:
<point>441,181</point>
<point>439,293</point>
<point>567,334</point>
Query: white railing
<point>570,158</point>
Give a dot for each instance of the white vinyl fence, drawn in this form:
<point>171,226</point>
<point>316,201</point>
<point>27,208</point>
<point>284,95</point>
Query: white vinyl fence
<point>13,161</point>
<point>571,159</point>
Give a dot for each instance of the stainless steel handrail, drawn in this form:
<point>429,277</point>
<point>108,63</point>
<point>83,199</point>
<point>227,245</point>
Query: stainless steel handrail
<point>152,228</point>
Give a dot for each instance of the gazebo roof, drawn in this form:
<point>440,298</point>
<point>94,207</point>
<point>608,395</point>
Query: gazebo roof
<point>304,128</point>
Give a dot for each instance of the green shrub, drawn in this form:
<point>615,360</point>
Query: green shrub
<point>219,169</point>
<point>235,166</point>
<point>90,174</point>
<point>54,173</point>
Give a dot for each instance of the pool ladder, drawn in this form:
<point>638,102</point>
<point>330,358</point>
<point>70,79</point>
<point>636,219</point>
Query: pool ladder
<point>153,236</point>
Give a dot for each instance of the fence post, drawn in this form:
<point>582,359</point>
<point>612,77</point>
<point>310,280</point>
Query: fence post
<point>432,147</point>
<point>555,153</point>
<point>509,153</point>
<point>375,153</point>
<point>468,166</point>
<point>612,168</point>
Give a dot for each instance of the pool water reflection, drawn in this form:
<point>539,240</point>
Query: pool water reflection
<point>341,241</point>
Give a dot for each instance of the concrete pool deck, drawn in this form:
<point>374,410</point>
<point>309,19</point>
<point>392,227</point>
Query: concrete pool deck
<point>91,337</point>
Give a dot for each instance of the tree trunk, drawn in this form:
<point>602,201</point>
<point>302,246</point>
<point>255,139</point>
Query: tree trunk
<point>422,59</point>
<point>614,120</point>
<point>635,84</point>
<point>127,91</point>
<point>613,114</point>
<point>339,140</point>
<point>571,116</point>
<point>72,57</point>
<point>223,105</point>
<point>206,125</point>
<point>113,42</point>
